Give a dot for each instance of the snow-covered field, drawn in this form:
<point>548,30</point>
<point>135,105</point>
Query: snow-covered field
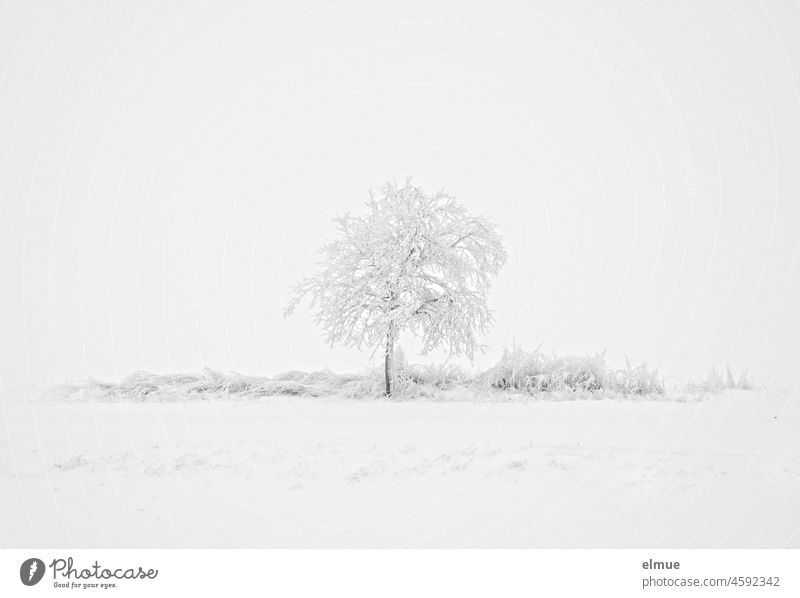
<point>312,472</point>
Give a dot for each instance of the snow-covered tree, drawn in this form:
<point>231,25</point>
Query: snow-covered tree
<point>413,262</point>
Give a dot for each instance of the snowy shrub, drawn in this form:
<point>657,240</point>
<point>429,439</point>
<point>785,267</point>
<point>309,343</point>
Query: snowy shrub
<point>538,372</point>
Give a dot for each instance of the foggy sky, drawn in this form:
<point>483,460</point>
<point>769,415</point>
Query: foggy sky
<point>167,171</point>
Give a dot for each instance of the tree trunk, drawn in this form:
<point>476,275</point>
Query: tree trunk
<point>388,365</point>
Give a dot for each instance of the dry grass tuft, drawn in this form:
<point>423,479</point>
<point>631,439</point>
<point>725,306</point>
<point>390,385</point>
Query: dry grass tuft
<point>717,381</point>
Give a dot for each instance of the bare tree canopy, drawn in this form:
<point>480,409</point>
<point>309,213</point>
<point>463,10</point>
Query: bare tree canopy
<point>413,262</point>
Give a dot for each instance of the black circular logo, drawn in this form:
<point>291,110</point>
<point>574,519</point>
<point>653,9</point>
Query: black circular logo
<point>31,572</point>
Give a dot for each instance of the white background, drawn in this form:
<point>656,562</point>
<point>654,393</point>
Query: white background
<point>168,169</point>
<point>389,572</point>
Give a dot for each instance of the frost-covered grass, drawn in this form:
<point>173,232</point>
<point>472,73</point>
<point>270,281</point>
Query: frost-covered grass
<point>518,375</point>
<point>146,386</point>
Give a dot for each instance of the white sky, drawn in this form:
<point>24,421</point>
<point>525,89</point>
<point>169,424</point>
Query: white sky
<point>167,171</point>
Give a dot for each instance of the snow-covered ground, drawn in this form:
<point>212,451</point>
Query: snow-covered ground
<point>311,472</point>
